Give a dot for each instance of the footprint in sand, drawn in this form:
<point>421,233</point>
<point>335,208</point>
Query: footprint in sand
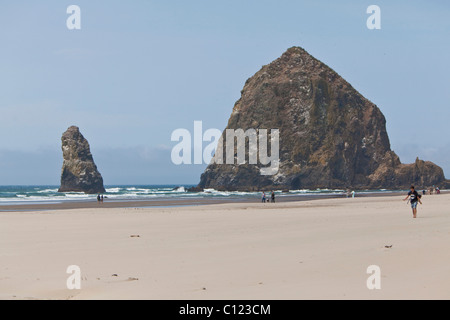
<point>132,279</point>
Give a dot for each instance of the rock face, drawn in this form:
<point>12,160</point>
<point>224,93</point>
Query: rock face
<point>330,135</point>
<point>79,172</point>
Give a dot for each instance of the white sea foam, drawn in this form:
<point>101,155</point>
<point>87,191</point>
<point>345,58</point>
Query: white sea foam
<point>47,191</point>
<point>307,191</point>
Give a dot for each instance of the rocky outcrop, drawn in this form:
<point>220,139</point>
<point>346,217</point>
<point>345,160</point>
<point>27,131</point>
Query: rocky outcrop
<point>330,135</point>
<point>79,172</point>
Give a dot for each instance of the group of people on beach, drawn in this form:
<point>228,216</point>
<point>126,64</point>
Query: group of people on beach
<point>413,197</point>
<point>265,199</point>
<point>99,198</point>
<point>432,190</point>
<point>351,193</point>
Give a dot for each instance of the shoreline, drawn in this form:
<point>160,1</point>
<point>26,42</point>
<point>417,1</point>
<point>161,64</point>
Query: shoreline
<point>168,203</point>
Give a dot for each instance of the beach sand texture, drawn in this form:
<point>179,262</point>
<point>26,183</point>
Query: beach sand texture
<point>298,250</point>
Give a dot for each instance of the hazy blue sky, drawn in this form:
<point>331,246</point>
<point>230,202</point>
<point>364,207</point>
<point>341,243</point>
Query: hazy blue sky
<point>138,70</point>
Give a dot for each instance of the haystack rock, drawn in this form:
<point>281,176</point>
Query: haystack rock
<point>330,135</point>
<point>79,172</point>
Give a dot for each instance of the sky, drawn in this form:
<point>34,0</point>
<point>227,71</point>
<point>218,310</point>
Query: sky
<point>138,70</point>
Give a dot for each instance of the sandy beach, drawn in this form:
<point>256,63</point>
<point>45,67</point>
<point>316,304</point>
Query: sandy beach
<point>316,249</point>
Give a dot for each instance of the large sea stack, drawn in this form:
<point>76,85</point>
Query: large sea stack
<point>330,135</point>
<point>79,172</point>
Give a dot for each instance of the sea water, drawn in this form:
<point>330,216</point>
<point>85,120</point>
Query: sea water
<point>50,194</point>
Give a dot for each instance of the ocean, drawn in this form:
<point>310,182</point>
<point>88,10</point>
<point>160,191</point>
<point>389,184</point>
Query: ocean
<point>49,194</point>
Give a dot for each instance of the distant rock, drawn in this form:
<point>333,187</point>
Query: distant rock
<point>79,172</point>
<point>330,135</point>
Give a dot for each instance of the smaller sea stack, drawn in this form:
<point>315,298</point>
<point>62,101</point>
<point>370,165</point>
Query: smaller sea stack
<point>79,172</point>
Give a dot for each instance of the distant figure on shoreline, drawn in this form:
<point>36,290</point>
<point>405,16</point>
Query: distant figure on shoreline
<point>353,194</point>
<point>438,191</point>
<point>101,198</point>
<point>414,198</point>
<point>273,197</point>
<point>98,198</point>
<point>263,200</point>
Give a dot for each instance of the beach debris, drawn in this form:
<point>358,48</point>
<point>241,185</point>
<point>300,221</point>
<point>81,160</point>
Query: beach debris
<point>133,279</point>
<point>114,275</point>
<point>135,236</point>
<point>203,288</point>
<point>388,247</point>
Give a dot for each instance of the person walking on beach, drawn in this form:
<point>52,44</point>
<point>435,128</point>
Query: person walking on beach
<point>414,198</point>
<point>263,200</point>
<point>273,197</point>
<point>101,198</point>
<point>98,198</point>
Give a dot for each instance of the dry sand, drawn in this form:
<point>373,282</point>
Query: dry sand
<point>299,250</point>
